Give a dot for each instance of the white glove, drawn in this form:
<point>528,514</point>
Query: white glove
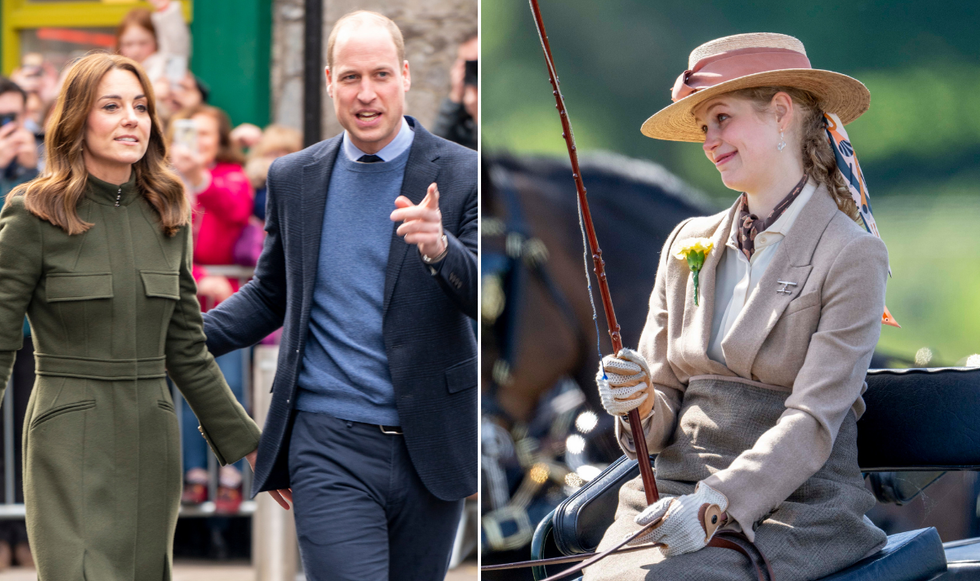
<point>619,377</point>
<point>688,523</point>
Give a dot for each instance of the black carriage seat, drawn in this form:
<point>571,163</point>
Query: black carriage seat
<point>916,420</point>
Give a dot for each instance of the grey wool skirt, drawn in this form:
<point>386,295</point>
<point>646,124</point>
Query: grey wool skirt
<point>820,529</point>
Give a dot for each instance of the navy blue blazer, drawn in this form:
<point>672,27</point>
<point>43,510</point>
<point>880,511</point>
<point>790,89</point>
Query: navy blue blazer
<point>427,333</point>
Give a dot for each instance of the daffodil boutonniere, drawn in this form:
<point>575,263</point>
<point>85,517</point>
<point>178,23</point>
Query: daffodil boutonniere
<point>694,250</point>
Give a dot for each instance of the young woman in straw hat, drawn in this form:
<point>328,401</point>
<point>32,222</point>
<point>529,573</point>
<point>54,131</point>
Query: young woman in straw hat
<point>751,365</point>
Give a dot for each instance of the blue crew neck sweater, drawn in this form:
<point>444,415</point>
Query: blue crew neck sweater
<point>344,371</point>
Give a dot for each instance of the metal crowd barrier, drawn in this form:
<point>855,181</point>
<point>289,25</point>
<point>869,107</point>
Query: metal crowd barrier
<point>9,509</point>
<point>205,509</point>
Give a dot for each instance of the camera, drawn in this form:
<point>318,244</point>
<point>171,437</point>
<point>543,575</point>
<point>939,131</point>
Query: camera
<point>7,118</point>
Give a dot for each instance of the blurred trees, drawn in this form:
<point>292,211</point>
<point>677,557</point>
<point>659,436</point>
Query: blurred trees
<point>918,144</point>
<point>619,58</point>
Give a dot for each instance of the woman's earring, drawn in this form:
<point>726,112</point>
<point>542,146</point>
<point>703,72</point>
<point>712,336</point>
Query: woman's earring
<point>782,142</point>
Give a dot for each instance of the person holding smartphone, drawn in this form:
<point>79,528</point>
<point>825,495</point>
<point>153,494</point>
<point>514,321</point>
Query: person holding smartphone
<point>459,112</point>
<point>221,197</point>
<point>18,150</point>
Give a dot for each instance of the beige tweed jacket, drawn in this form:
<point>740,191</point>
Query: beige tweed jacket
<point>814,341</point>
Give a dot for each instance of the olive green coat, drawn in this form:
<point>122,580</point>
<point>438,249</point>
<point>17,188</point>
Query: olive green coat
<point>113,311</point>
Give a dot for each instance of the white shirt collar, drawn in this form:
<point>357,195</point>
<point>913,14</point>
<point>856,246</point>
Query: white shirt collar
<point>783,223</point>
<point>401,142</point>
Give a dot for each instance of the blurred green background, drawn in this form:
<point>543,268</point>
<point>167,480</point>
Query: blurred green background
<point>918,145</point>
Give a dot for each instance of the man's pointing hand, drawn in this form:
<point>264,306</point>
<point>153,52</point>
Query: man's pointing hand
<point>421,224</point>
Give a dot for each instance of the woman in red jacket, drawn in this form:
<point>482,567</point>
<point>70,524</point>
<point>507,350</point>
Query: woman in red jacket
<point>222,199</point>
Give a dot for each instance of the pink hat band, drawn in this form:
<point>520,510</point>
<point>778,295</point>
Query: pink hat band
<point>733,64</point>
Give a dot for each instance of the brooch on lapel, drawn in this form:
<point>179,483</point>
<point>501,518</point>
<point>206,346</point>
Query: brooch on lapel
<point>785,288</point>
<point>694,251</point>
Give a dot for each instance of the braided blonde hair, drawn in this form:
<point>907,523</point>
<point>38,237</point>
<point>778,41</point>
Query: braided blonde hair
<point>818,157</point>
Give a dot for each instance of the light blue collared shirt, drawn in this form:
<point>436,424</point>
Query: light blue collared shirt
<point>398,145</point>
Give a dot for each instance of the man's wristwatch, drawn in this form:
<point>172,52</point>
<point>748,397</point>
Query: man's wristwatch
<point>442,254</point>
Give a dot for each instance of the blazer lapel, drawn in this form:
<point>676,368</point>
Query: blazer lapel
<point>316,181</point>
<point>698,318</point>
<point>420,171</point>
<point>791,263</point>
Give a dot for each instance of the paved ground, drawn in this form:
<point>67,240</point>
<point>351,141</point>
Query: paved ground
<point>200,571</point>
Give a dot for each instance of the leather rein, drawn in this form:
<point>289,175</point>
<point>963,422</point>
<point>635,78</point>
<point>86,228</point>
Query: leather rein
<point>723,540</point>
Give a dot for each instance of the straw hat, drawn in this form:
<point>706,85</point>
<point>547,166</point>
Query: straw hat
<point>742,61</point>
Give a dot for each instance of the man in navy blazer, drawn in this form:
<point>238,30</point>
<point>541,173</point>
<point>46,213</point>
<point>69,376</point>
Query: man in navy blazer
<point>370,266</point>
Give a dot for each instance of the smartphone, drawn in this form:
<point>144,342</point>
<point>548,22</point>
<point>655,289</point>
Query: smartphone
<point>175,70</point>
<point>470,77</point>
<point>32,65</point>
<point>7,118</point>
<point>185,134</point>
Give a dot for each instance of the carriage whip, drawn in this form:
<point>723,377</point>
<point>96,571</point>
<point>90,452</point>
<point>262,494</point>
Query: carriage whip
<point>646,472</point>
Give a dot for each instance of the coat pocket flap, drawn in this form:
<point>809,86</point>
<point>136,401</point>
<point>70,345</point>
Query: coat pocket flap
<point>54,412</point>
<point>78,287</point>
<point>806,301</point>
<point>161,284</point>
<point>461,376</point>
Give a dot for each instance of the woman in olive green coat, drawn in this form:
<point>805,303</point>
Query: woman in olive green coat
<point>97,252</point>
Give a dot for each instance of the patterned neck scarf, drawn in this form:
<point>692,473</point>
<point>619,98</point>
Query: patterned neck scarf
<point>850,170</point>
<point>749,225</point>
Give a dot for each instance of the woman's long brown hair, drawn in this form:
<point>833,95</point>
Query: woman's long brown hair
<point>56,194</point>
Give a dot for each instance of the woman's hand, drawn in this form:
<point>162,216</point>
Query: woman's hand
<point>189,164</point>
<point>280,496</point>
<point>624,384</point>
<point>246,135</point>
<point>17,142</point>
<point>216,288</point>
<point>687,522</point>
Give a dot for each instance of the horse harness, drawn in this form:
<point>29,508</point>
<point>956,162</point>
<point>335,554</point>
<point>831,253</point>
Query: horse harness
<point>523,254</point>
<point>505,276</point>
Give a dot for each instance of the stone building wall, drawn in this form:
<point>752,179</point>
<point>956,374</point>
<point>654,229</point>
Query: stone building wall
<point>432,29</point>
